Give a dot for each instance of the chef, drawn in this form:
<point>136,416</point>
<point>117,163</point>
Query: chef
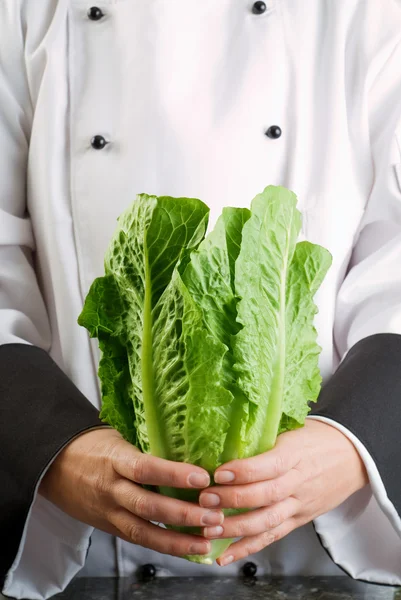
<point>213,99</point>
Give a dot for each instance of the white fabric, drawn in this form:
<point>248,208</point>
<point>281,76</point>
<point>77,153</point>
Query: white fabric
<point>53,548</point>
<point>184,91</point>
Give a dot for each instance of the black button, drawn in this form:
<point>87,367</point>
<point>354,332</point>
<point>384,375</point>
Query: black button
<point>95,13</point>
<point>249,569</point>
<point>274,132</point>
<point>147,572</point>
<point>98,142</point>
<point>259,8</point>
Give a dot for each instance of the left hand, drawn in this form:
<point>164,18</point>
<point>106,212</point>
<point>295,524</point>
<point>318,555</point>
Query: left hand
<point>309,472</point>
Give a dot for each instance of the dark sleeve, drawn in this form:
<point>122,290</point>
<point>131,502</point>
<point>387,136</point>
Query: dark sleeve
<point>364,395</point>
<point>41,410</point>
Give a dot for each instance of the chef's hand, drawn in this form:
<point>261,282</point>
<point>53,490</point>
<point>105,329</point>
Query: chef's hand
<point>309,472</point>
<point>96,479</point>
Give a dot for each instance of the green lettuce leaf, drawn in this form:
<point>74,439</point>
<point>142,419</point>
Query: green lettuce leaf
<point>102,316</point>
<point>308,268</point>
<point>153,236</point>
<point>188,394</point>
<point>209,276</point>
<point>210,279</point>
<point>276,352</point>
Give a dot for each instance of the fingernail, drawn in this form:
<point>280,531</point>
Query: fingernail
<point>213,517</point>
<point>213,532</point>
<point>224,476</point>
<point>199,480</point>
<point>209,500</point>
<point>226,561</point>
<point>199,548</point>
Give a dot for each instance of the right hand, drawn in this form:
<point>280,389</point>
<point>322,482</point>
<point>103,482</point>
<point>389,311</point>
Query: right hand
<point>96,479</point>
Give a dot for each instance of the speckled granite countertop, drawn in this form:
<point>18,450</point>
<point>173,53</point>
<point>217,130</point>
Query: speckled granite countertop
<point>197,588</point>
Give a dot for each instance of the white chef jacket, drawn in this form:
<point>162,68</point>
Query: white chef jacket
<point>184,91</point>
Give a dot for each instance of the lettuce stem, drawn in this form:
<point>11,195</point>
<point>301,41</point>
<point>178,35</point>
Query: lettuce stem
<point>153,422</point>
<point>218,547</point>
<point>275,406</point>
<point>274,412</point>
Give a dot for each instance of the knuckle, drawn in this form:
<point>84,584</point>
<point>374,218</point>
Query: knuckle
<point>186,516</point>
<point>269,538</point>
<point>138,468</point>
<point>114,455</point>
<point>240,529</point>
<point>135,533</point>
<point>111,515</point>
<point>101,483</point>
<point>249,474</point>
<point>174,477</point>
<point>273,492</point>
<point>117,490</point>
<point>239,500</point>
<point>140,505</point>
<point>248,550</point>
<point>174,548</point>
<point>114,449</point>
<point>279,464</point>
<point>273,519</point>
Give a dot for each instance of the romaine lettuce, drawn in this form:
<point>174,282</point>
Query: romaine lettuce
<point>208,345</point>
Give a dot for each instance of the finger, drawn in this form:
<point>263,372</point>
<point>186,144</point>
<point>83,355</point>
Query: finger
<point>251,545</point>
<point>255,522</point>
<point>155,507</point>
<point>150,470</point>
<point>252,495</point>
<point>137,531</point>
<point>268,465</point>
